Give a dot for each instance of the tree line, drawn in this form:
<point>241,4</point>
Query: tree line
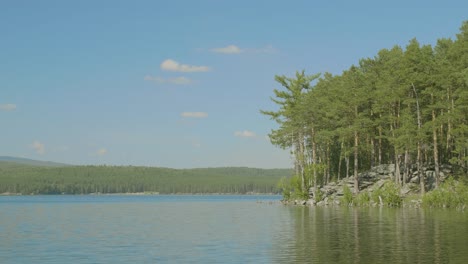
<point>405,106</point>
<point>24,179</point>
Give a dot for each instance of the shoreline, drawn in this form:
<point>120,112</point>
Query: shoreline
<point>142,194</point>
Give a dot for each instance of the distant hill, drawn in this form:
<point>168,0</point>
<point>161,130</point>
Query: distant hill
<point>26,176</point>
<point>31,162</point>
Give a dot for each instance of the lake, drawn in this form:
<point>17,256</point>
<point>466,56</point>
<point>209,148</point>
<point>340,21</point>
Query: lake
<point>222,229</point>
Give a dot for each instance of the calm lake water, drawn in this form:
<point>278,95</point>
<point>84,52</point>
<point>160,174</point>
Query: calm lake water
<point>222,229</point>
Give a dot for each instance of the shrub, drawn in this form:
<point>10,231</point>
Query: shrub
<point>291,188</point>
<point>363,199</point>
<point>347,195</point>
<point>451,193</point>
<point>319,195</point>
<point>389,193</point>
<point>284,185</point>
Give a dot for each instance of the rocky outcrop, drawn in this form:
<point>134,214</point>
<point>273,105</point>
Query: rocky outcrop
<point>373,180</point>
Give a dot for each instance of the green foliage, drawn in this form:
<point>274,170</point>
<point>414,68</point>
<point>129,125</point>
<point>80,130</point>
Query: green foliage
<point>451,193</point>
<point>291,188</point>
<point>309,174</point>
<point>389,193</point>
<point>348,197</point>
<point>284,185</point>
<point>297,191</point>
<point>363,199</point>
<point>25,179</point>
<point>291,118</point>
<point>402,101</point>
<point>319,195</point>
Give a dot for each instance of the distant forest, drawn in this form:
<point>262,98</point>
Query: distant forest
<point>405,106</point>
<point>16,178</point>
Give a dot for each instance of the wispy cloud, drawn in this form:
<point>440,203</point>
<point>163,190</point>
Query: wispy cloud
<point>38,147</point>
<point>231,49</point>
<point>7,107</point>
<point>172,65</point>
<point>194,114</point>
<point>245,133</point>
<point>101,152</point>
<point>177,80</point>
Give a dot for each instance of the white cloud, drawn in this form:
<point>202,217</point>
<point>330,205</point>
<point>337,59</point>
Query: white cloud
<point>177,80</point>
<point>245,133</point>
<point>194,114</point>
<point>231,49</point>
<point>7,107</point>
<point>38,147</point>
<point>172,65</point>
<point>101,152</point>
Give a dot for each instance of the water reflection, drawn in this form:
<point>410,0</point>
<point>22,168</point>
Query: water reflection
<point>374,235</point>
<point>222,230</point>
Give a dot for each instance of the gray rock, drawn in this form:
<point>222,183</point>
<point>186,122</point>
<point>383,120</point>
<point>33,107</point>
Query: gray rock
<point>415,179</point>
<point>321,203</point>
<point>378,184</point>
<point>442,175</point>
<point>405,189</point>
<point>372,180</point>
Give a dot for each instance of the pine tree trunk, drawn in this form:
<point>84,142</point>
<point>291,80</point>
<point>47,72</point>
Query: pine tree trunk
<point>422,185</point>
<point>397,168</point>
<point>296,160</point>
<point>314,160</point>
<point>328,163</point>
<point>396,154</point>
<point>380,145</point>
<point>372,152</point>
<point>406,167</point>
<point>301,162</point>
<point>340,161</point>
<point>419,162</point>
<point>449,130</point>
<point>436,152</point>
<point>347,166</point>
<point>356,153</point>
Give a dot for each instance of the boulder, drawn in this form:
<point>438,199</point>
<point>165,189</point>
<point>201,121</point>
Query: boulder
<point>405,189</point>
<point>378,184</point>
<point>415,179</point>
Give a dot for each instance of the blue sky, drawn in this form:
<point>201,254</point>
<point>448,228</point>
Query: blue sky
<point>180,83</point>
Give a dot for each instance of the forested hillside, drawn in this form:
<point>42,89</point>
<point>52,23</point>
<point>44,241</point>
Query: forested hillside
<point>405,106</point>
<point>28,179</point>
